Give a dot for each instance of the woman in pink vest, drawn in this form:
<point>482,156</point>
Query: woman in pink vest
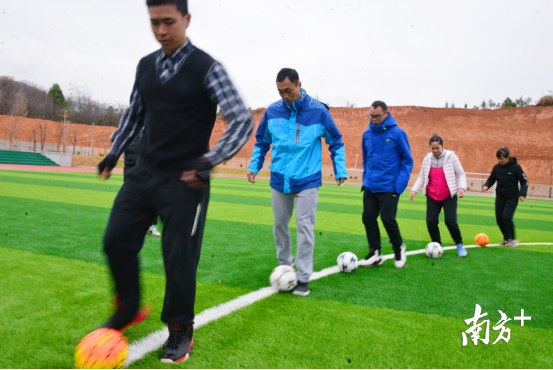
<point>443,177</point>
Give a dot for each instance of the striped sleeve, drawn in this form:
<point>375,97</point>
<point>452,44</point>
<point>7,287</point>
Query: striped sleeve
<point>240,125</point>
<point>131,122</point>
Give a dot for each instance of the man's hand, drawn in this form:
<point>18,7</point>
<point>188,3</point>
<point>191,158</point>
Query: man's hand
<point>484,188</point>
<point>340,181</point>
<point>106,174</point>
<point>461,193</point>
<point>412,195</point>
<point>106,166</point>
<point>251,177</point>
<point>191,179</point>
<point>522,199</point>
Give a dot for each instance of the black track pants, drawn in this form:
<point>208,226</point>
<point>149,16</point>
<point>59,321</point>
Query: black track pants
<point>183,211</point>
<point>433,209</point>
<point>504,212</point>
<point>126,171</point>
<point>385,205</point>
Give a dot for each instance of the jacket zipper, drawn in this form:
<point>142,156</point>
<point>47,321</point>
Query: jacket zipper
<point>298,134</point>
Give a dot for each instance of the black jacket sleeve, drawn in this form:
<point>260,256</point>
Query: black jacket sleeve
<point>491,180</point>
<point>521,177</point>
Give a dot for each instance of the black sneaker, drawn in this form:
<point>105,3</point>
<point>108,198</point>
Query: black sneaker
<point>504,243</point>
<point>178,346</point>
<point>372,259</point>
<point>125,316</point>
<point>302,289</point>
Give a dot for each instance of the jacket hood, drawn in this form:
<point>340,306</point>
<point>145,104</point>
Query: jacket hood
<point>389,122</point>
<point>298,104</point>
<point>512,161</point>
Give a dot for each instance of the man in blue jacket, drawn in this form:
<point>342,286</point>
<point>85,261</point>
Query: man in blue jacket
<point>387,165</point>
<point>294,126</point>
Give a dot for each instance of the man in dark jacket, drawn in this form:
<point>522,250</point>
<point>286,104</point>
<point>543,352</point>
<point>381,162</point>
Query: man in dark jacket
<point>387,165</point>
<point>508,174</point>
<point>131,155</point>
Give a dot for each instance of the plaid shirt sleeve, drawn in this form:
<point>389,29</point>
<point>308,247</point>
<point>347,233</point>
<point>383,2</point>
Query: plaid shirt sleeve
<point>240,125</point>
<point>130,124</point>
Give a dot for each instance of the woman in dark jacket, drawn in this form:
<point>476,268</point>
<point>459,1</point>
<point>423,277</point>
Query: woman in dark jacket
<point>508,174</point>
<point>131,155</point>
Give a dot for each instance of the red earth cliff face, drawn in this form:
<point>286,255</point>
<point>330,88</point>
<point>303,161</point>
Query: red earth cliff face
<point>25,126</point>
<point>475,135</point>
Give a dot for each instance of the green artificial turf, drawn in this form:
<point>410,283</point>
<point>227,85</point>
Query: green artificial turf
<point>53,272</point>
<point>411,228</point>
<point>49,304</point>
<point>291,332</point>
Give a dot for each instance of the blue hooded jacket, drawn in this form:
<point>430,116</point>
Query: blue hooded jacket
<point>387,160</point>
<point>295,131</point>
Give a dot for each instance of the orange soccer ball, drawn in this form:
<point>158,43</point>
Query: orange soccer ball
<point>102,349</point>
<point>482,239</point>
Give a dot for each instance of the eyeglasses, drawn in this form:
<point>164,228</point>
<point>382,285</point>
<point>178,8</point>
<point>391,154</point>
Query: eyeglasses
<point>377,116</point>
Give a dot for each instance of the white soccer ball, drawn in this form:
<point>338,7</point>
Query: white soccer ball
<point>283,278</point>
<point>347,262</point>
<point>433,250</point>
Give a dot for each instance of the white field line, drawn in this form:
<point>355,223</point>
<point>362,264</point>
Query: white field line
<point>154,341</point>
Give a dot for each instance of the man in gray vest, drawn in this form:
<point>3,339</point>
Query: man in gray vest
<point>175,97</point>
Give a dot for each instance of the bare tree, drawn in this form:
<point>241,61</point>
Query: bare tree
<point>42,135</point>
<point>35,130</point>
<point>8,89</point>
<point>550,177</point>
<point>12,130</point>
<point>18,109</point>
<point>40,104</point>
<point>105,141</point>
<point>73,140</point>
<point>92,141</point>
<point>58,135</point>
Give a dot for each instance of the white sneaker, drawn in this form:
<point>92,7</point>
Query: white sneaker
<point>374,260</point>
<point>153,230</point>
<point>513,243</point>
<point>403,257</point>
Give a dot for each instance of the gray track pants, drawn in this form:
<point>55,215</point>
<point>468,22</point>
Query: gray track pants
<point>306,209</point>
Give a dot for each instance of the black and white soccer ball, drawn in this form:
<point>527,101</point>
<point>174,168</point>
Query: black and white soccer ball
<point>433,250</point>
<point>347,262</point>
<point>283,278</point>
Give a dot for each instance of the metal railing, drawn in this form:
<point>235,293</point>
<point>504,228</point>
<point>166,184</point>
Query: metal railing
<point>478,177</point>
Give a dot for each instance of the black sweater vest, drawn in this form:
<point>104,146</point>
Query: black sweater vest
<point>179,113</point>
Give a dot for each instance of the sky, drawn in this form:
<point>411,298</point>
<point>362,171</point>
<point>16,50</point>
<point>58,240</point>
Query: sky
<point>422,53</point>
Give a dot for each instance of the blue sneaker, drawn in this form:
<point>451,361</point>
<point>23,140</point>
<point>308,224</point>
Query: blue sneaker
<point>461,251</point>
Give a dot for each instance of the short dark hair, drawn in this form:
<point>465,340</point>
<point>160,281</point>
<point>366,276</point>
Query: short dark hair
<point>380,104</point>
<point>503,152</point>
<point>292,75</point>
<point>182,5</point>
<point>435,138</point>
